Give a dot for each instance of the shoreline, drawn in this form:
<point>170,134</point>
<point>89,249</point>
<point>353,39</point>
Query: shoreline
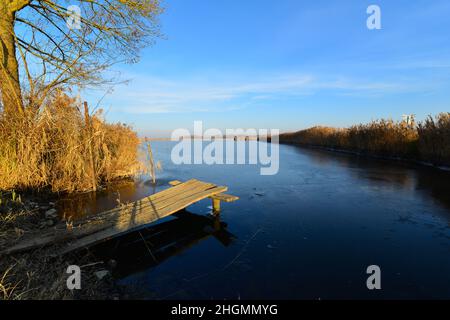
<point>26,212</point>
<point>370,156</point>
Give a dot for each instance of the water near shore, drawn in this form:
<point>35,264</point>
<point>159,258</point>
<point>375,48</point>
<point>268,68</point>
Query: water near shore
<point>308,232</point>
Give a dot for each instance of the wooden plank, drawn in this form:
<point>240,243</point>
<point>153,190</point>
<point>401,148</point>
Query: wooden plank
<point>168,199</point>
<point>125,218</point>
<point>105,221</point>
<point>153,200</point>
<point>159,213</point>
<point>157,196</point>
<point>186,191</point>
<point>224,197</point>
<point>150,216</point>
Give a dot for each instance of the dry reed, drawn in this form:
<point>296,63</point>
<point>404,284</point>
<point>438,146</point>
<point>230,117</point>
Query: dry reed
<point>50,148</point>
<point>427,141</point>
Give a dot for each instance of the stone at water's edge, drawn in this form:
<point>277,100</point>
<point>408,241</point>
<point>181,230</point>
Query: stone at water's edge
<point>101,274</point>
<point>51,214</point>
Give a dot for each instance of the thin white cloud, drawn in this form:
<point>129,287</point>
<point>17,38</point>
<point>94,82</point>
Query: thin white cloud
<point>155,95</point>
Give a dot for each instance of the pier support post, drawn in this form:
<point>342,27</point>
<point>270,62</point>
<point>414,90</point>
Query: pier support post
<point>216,206</point>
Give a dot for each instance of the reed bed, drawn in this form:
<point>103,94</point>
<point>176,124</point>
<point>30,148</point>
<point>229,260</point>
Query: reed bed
<point>426,141</point>
<point>61,148</point>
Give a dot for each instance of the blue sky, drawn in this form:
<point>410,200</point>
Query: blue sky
<point>286,64</point>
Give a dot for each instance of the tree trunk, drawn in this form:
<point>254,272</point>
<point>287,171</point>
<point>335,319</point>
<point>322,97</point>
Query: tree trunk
<point>11,95</point>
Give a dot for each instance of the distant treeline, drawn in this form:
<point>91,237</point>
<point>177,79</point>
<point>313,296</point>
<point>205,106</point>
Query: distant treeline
<point>427,141</point>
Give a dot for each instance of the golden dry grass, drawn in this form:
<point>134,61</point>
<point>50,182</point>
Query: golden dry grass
<point>428,140</point>
<point>50,148</point>
<point>434,138</point>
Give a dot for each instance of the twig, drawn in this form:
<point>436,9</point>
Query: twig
<point>243,249</point>
<point>217,270</point>
<point>91,264</point>
<point>149,251</point>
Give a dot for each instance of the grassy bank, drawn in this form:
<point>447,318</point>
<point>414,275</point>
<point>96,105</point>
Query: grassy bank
<point>41,274</point>
<point>427,141</point>
<point>58,148</point>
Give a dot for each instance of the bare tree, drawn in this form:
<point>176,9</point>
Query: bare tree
<point>61,43</point>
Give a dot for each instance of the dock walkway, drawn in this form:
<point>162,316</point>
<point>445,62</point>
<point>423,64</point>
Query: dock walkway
<point>125,218</point>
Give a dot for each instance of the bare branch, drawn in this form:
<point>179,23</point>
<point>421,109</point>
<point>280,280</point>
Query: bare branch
<point>52,55</point>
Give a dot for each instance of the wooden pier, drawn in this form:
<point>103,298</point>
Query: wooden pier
<point>125,218</point>
<point>139,251</point>
<point>216,199</point>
